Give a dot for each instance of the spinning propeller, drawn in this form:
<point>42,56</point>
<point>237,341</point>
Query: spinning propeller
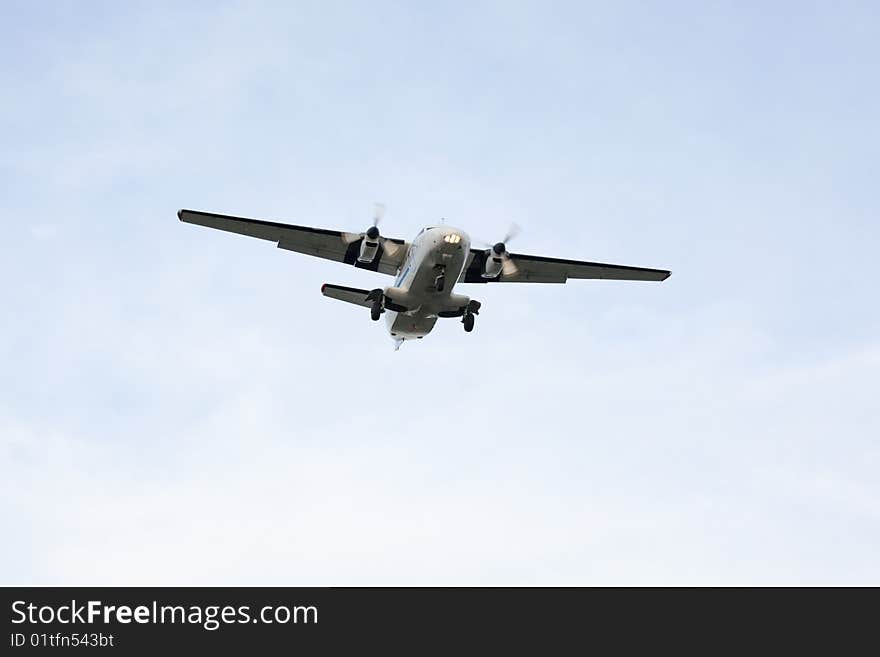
<point>378,213</point>
<point>499,250</point>
<point>372,233</point>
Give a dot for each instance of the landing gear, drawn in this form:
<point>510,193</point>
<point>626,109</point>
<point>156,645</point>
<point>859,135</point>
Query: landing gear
<point>440,278</point>
<point>473,308</point>
<point>377,296</point>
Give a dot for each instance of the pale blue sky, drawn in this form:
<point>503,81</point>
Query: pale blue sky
<point>181,406</point>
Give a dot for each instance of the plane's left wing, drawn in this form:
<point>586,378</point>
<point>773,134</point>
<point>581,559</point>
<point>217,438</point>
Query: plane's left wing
<point>520,268</point>
<point>320,242</point>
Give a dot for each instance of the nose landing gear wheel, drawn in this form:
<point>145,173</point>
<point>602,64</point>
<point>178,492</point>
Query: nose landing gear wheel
<point>376,311</point>
<point>440,278</point>
<point>468,321</point>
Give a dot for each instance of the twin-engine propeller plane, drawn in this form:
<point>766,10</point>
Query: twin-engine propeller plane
<point>425,270</point>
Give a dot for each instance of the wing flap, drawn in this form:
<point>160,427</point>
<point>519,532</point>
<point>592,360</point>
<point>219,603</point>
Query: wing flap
<point>585,269</point>
<point>321,249</point>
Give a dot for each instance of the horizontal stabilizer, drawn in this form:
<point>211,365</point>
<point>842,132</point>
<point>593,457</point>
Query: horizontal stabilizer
<point>349,294</point>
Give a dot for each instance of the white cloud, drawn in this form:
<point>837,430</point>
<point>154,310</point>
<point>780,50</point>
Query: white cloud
<point>639,466</point>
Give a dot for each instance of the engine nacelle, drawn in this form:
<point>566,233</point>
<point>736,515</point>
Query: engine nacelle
<point>369,248</point>
<point>494,264</point>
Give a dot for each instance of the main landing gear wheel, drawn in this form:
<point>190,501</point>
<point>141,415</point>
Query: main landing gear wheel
<point>376,309</point>
<point>468,322</point>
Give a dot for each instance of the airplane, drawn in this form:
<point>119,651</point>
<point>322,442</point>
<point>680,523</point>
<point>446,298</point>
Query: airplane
<point>425,270</point>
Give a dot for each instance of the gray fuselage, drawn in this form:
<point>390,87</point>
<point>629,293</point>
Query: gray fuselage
<point>438,251</point>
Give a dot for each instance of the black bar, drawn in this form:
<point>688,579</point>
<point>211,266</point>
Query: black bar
<point>417,620</point>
